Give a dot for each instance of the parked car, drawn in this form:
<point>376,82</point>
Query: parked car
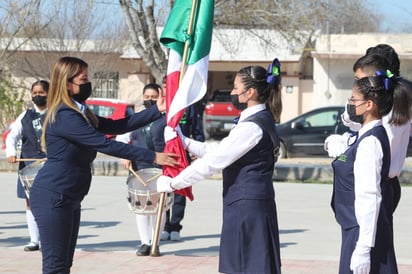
<point>219,114</point>
<point>305,134</point>
<point>110,108</point>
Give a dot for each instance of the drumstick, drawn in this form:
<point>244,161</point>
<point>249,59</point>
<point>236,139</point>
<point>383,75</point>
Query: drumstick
<point>137,176</point>
<point>154,177</point>
<point>30,159</point>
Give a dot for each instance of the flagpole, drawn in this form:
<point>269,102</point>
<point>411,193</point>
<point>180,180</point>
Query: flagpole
<point>155,251</point>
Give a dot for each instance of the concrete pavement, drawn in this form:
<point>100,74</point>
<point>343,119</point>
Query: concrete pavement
<point>309,235</point>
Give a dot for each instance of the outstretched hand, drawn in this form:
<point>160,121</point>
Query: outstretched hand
<point>161,102</point>
<point>168,159</point>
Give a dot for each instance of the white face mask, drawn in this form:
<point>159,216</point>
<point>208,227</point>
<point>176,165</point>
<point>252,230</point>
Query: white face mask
<point>347,122</point>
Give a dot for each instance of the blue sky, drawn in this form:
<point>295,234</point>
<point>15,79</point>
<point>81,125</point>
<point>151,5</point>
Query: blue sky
<point>397,14</point>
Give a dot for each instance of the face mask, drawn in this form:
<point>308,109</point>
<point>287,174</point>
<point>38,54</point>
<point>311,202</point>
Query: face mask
<point>347,121</point>
<point>149,103</point>
<point>39,100</point>
<point>352,114</point>
<point>84,92</point>
<point>236,103</point>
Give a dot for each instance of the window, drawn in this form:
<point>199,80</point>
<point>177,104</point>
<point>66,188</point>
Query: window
<point>106,84</point>
<point>321,119</point>
<point>103,111</point>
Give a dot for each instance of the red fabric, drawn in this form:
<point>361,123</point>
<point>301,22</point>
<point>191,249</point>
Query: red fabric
<point>175,145</point>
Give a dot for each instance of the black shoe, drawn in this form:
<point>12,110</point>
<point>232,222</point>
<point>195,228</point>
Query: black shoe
<point>32,246</point>
<point>144,250</point>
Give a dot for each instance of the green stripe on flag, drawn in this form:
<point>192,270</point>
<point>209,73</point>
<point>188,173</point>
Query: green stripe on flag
<point>175,34</point>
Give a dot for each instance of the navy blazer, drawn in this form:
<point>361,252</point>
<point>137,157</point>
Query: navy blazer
<point>72,144</point>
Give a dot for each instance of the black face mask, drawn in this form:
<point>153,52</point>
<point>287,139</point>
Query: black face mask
<point>149,103</point>
<point>352,114</point>
<point>236,103</point>
<point>39,100</point>
<point>84,92</point>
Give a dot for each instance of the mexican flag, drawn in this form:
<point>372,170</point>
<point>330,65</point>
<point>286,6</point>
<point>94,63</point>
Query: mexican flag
<point>192,87</point>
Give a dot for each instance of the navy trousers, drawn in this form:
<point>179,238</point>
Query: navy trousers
<point>58,219</point>
<point>175,215</point>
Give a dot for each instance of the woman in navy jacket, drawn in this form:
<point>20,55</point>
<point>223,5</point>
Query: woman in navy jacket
<point>72,135</point>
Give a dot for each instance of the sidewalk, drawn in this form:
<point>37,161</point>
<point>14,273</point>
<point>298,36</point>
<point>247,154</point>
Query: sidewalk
<point>309,235</point>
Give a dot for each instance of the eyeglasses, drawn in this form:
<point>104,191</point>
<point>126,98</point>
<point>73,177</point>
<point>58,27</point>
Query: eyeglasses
<point>353,100</point>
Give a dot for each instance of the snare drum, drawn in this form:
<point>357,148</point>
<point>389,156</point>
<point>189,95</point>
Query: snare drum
<point>144,199</point>
<point>28,173</point>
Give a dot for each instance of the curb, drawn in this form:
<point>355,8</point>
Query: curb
<point>319,172</point>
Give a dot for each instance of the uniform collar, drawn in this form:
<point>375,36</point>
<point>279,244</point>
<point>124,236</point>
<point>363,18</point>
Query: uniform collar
<point>369,126</point>
<point>38,110</point>
<point>81,106</point>
<point>250,111</point>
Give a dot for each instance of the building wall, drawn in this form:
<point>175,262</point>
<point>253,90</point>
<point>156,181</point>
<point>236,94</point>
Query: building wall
<point>331,84</point>
<point>335,55</point>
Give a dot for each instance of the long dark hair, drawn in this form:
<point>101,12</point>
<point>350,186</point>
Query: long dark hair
<point>373,88</point>
<point>402,98</point>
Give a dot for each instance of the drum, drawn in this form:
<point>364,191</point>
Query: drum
<point>142,195</point>
<point>28,173</point>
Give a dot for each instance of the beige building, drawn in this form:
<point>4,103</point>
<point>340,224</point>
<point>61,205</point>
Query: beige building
<point>310,77</point>
<point>335,55</point>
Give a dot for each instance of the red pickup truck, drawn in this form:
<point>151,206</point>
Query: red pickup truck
<point>219,114</point>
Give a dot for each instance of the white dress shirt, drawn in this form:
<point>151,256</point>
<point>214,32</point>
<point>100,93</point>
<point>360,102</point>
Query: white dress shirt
<point>367,173</point>
<point>212,157</point>
<point>398,140</point>
<point>16,132</point>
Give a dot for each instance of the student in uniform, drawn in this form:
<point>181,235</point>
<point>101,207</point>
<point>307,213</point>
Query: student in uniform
<point>362,199</point>
<point>250,235</point>
<point>28,128</point>
<point>72,135</point>
<point>150,136</point>
<point>397,122</point>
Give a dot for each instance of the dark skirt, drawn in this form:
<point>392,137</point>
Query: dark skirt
<point>250,238</point>
<point>382,255</point>
<point>20,190</point>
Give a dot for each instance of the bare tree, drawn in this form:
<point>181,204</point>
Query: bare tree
<point>79,28</point>
<point>294,20</point>
<point>52,29</point>
<point>141,23</point>
<point>291,16</point>
<point>15,16</point>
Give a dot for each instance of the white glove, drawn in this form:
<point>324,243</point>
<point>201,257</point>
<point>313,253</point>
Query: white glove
<point>360,263</point>
<point>163,184</point>
<point>181,136</point>
<point>169,134</point>
<point>347,122</point>
<point>335,145</point>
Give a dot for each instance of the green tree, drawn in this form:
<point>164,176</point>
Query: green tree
<point>10,102</point>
